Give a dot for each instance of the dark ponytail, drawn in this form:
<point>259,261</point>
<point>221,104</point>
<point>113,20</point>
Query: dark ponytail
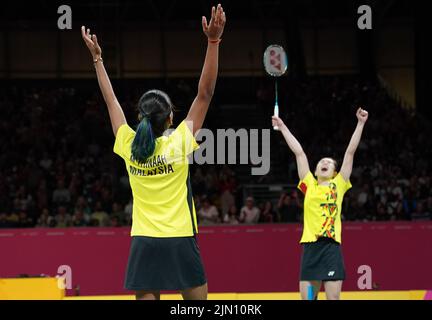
<point>154,109</point>
<point>143,145</point>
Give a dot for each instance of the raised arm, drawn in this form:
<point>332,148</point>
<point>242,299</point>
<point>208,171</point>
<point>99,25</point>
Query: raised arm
<point>294,145</point>
<point>114,109</point>
<point>207,82</point>
<point>346,169</point>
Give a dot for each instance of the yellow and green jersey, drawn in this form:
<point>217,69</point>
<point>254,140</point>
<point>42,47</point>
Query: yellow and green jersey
<point>322,207</point>
<point>162,199</point>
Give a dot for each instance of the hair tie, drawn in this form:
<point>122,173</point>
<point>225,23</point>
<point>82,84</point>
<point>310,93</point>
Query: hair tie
<point>144,115</point>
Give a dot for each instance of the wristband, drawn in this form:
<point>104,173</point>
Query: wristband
<point>215,41</point>
<point>97,60</point>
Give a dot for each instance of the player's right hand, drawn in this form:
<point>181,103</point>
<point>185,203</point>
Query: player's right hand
<point>276,121</point>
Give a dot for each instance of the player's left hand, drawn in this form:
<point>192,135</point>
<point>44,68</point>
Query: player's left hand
<point>91,43</point>
<point>362,115</point>
<point>215,27</point>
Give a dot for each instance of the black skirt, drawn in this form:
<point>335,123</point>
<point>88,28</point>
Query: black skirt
<point>322,261</point>
<point>164,264</point>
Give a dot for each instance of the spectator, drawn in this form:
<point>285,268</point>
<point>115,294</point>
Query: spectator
<point>24,199</point>
<point>61,195</point>
<point>208,213</point>
<point>79,219</point>
<point>99,217</point>
<point>45,220</point>
<point>115,222</point>
<point>395,189</point>
<point>382,214</point>
<point>62,218</point>
<point>117,211</point>
<point>363,196</point>
<point>249,213</point>
<point>82,205</point>
<point>290,207</point>
<point>232,216</point>
<point>395,206</point>
<point>268,215</point>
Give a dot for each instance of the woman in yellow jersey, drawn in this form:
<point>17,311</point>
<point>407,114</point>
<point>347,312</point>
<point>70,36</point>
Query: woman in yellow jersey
<point>164,254</point>
<point>322,260</point>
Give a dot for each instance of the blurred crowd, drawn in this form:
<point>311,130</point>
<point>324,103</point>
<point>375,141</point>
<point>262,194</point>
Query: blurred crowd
<point>57,168</point>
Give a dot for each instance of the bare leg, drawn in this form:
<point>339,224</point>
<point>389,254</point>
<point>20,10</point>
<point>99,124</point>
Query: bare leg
<point>196,293</point>
<point>147,295</point>
<point>304,289</point>
<point>333,289</point>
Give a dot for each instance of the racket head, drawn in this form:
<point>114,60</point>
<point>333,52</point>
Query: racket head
<point>275,60</point>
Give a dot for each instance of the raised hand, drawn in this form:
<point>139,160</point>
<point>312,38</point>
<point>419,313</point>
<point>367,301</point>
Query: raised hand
<point>362,115</point>
<point>114,109</point>
<point>215,28</point>
<point>294,145</point>
<point>91,43</point>
<point>276,121</point>
<point>347,164</point>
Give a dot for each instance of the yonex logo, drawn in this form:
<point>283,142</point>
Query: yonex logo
<point>331,273</point>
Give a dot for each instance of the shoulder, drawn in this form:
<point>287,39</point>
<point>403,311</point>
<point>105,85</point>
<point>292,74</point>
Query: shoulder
<point>124,130</point>
<point>340,181</point>
<point>183,138</point>
<point>124,137</point>
<point>308,178</point>
<point>183,129</point>
<point>307,182</point>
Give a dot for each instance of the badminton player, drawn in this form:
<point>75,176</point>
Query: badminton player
<point>322,260</point>
<point>164,254</point>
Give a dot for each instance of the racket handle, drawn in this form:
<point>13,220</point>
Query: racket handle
<point>276,114</point>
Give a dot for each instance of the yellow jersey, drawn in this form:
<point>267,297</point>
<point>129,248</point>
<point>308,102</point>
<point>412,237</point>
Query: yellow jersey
<point>162,198</point>
<point>322,207</point>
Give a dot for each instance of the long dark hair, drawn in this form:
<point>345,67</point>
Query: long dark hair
<point>154,108</point>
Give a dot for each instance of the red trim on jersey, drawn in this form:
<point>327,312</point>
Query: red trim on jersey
<point>303,187</point>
